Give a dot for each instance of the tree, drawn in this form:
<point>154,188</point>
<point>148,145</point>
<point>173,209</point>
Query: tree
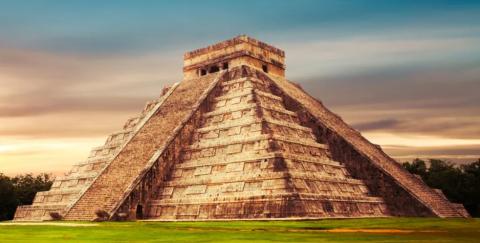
<point>445,176</point>
<point>8,202</point>
<point>417,166</point>
<point>20,190</point>
<point>26,186</point>
<point>471,187</point>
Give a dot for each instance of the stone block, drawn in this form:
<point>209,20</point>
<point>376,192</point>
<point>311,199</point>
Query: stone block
<point>210,134</point>
<point>167,191</point>
<point>208,152</point>
<point>235,100</point>
<point>274,184</point>
<point>233,187</point>
<point>234,131</point>
<point>233,167</point>
<point>188,210</point>
<point>234,148</point>
<point>232,208</point>
<point>236,114</point>
<point>204,170</point>
<point>196,189</point>
<point>178,173</point>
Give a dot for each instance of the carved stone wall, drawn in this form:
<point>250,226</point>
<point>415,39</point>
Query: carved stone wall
<point>251,158</point>
<point>68,188</point>
<point>404,194</point>
<point>236,142</point>
<point>398,201</point>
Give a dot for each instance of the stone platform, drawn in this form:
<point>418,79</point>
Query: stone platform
<point>236,140</point>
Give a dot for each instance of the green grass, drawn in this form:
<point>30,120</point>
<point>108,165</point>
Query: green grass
<point>414,230</point>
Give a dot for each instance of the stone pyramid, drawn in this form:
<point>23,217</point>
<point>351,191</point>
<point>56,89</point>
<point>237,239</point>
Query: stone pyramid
<point>236,140</point>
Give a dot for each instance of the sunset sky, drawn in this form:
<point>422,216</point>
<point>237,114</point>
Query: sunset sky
<point>405,73</point>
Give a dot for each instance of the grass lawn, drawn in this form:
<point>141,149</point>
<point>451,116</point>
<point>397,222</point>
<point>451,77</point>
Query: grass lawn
<point>359,230</point>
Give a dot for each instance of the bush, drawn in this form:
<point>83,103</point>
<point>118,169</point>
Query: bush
<point>56,216</point>
<point>102,215</point>
<point>120,217</point>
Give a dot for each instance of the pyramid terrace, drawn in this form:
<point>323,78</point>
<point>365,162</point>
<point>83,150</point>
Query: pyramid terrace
<point>236,140</point>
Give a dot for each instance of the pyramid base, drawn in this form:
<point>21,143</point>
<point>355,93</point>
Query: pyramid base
<point>300,206</point>
<point>37,213</point>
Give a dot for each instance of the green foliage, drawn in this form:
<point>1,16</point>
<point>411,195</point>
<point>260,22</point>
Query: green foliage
<point>417,166</point>
<point>26,186</point>
<point>20,190</point>
<point>7,198</point>
<point>460,184</point>
<point>471,188</point>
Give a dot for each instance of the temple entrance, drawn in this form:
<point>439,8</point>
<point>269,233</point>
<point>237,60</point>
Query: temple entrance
<point>139,212</point>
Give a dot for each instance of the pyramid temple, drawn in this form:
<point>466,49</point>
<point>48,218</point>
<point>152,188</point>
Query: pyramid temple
<point>236,140</point>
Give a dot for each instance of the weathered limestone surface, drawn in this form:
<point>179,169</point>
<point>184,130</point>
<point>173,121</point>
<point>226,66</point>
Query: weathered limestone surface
<point>110,185</point>
<point>67,189</point>
<point>405,194</point>
<point>236,140</point>
<point>251,158</point>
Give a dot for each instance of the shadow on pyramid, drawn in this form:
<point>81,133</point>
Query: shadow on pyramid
<point>236,140</point>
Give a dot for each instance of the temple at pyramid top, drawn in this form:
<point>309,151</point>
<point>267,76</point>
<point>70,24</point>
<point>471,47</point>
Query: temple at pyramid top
<point>241,50</point>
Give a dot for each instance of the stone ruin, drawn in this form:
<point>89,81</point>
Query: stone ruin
<point>236,140</point>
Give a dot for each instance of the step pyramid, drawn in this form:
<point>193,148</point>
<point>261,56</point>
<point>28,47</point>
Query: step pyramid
<point>236,140</point>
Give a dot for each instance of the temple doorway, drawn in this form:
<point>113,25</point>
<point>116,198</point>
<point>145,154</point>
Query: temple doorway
<point>139,212</point>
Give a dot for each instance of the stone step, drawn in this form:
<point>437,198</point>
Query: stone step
<point>235,198</point>
<point>251,120</point>
<point>247,80</point>
<point>240,107</point>
<point>94,161</point>
<point>231,95</point>
<point>246,92</point>
<point>77,176</point>
<point>179,103</point>
<point>241,139</point>
<point>233,123</point>
<point>247,157</point>
<point>240,176</point>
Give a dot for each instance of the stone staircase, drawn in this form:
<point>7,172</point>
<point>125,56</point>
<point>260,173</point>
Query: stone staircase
<point>109,187</point>
<point>441,206</point>
<point>68,188</point>
<point>251,153</point>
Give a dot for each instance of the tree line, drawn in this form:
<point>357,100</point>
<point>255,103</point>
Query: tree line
<point>20,190</point>
<point>460,184</point>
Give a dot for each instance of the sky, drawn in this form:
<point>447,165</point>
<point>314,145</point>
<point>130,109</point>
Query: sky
<point>404,73</point>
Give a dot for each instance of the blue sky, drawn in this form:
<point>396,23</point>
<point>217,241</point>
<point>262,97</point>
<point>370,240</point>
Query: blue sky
<point>126,26</point>
<point>405,73</point>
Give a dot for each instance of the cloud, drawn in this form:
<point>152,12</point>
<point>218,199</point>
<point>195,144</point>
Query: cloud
<point>417,122</point>
<point>406,147</point>
<point>54,107</point>
<point>415,97</point>
<point>74,83</point>
<point>457,154</point>
<point>377,125</point>
<point>438,101</point>
<point>35,83</point>
<point>333,58</point>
